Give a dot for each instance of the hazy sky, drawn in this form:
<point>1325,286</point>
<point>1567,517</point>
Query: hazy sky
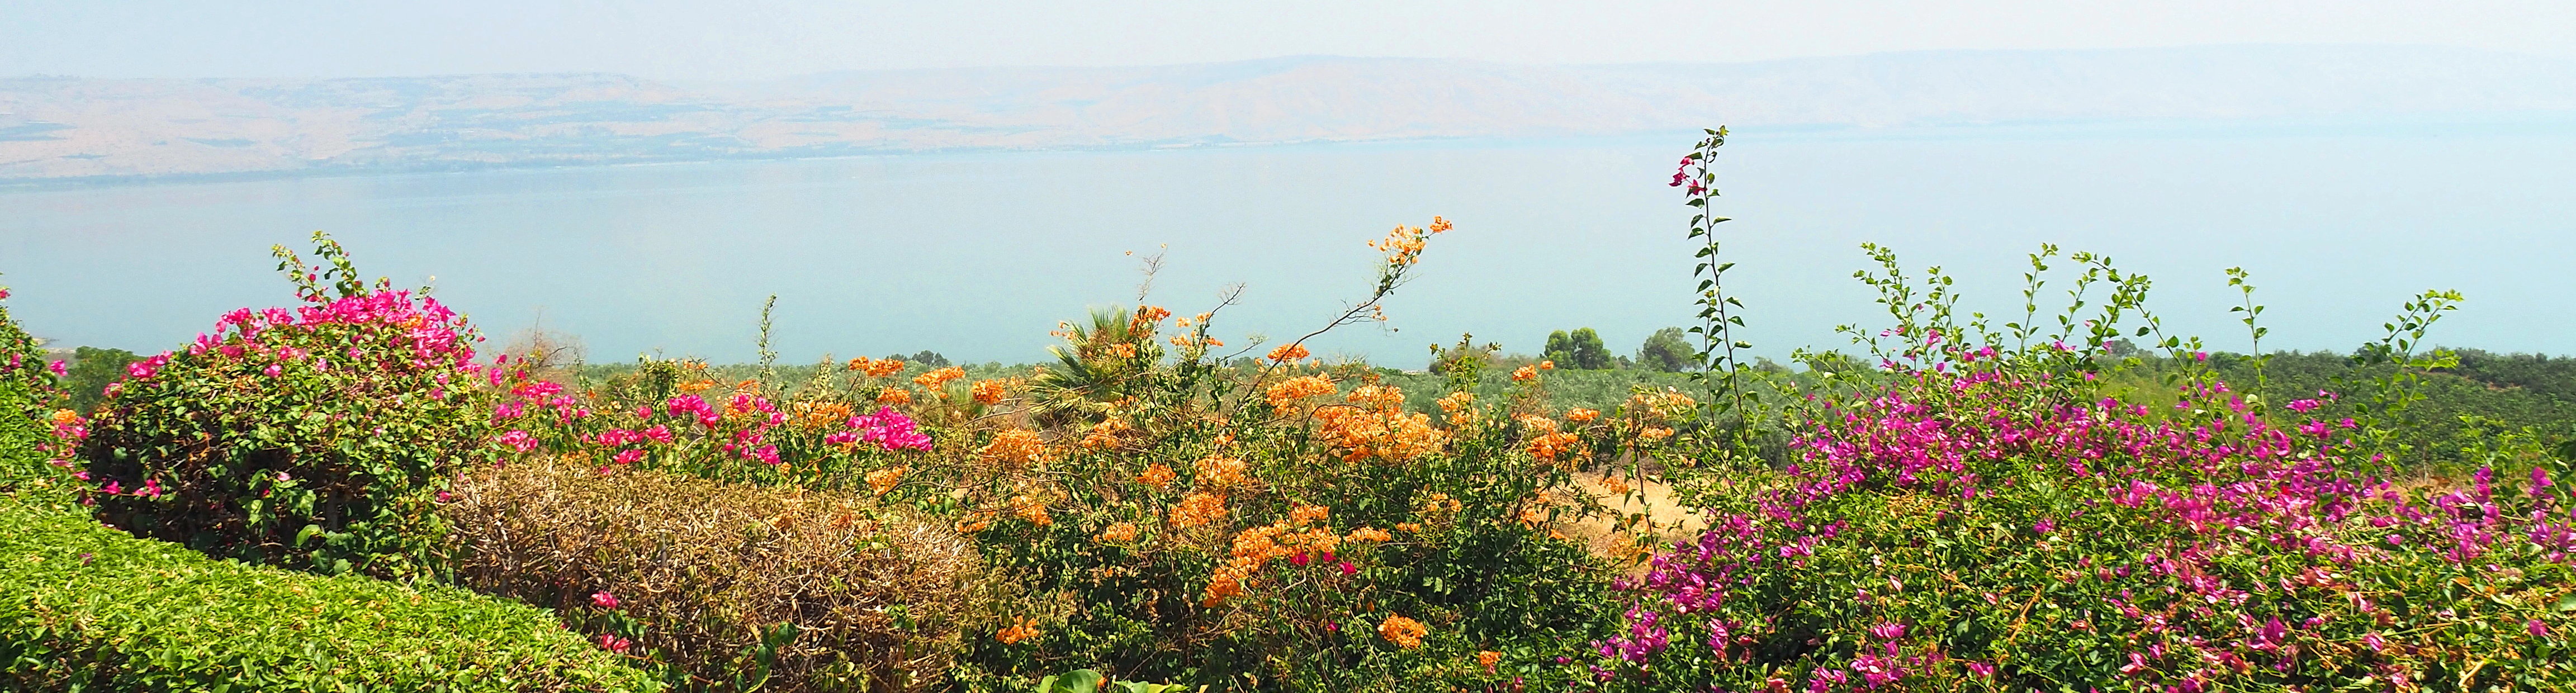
<point>676,39</point>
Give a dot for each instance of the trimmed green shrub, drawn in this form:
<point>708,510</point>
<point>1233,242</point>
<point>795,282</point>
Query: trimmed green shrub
<point>85,607</point>
<point>315,438</point>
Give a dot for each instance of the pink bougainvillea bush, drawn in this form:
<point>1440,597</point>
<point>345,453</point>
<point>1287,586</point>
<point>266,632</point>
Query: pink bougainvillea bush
<point>315,437</point>
<point>1997,527</point>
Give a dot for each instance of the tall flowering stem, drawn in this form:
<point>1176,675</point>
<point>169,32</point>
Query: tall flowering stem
<point>1719,313</point>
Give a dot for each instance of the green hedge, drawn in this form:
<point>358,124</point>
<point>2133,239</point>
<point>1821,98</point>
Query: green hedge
<point>84,607</point>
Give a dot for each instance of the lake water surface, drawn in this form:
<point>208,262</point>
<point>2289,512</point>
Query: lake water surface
<point>979,255</point>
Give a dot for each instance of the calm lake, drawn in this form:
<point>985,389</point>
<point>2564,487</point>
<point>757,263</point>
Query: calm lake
<point>979,255</point>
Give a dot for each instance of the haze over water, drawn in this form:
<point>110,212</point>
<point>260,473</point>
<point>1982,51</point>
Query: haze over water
<point>977,256</point>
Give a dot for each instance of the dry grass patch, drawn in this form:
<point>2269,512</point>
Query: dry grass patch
<point>732,584</point>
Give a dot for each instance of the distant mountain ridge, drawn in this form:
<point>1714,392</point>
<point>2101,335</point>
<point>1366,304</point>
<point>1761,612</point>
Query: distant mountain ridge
<point>57,127</point>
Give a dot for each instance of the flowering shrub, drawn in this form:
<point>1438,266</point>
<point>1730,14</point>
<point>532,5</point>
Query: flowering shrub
<point>27,389</point>
<point>315,437</point>
<point>1990,528</point>
<point>1158,513</point>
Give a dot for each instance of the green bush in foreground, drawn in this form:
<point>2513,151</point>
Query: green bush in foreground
<point>85,607</point>
<point>314,438</point>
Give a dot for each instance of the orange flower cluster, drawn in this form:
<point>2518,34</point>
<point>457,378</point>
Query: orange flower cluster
<point>936,378</point>
<point>1370,534</point>
<point>1378,427</point>
<point>1524,374</point>
<point>697,386</point>
<point>1667,403</point>
<point>1259,546</point>
<point>1017,447</point>
<point>1404,632</point>
<point>1655,435</point>
<point>991,391</point>
<point>883,480</point>
<point>1032,507</point>
<point>816,416</point>
<point>894,395</point>
<point>1288,352</point>
<point>1534,515</point>
<point>976,521</point>
<point>1581,415</point>
<point>1219,472</point>
<point>1403,246</point>
<point>1158,476</point>
<point>1284,395</point>
<point>1548,447</point>
<point>1120,533</point>
<point>66,417</point>
<point>1026,628</point>
<point>1487,659</point>
<point>1461,407</point>
<point>1147,316</point>
<point>1438,507</point>
<point>1308,514</point>
<point>1198,509</point>
<point>876,368</point>
<point>1104,435</point>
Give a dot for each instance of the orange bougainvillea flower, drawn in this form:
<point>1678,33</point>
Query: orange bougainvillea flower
<point>1016,446</point>
<point>1548,447</point>
<point>876,368</point>
<point>990,391</point>
<point>1219,472</point>
<point>1104,435</point>
<point>1026,628</point>
<point>697,386</point>
<point>1460,406</point>
<point>1404,632</point>
<point>1487,659</point>
<point>1370,534</point>
<point>1656,434</point>
<point>976,521</point>
<point>815,416</point>
<point>1288,352</point>
<point>894,395</point>
<point>1032,507</point>
<point>1285,395</point>
<point>1258,546</point>
<point>1580,415</point>
<point>1524,374</point>
<point>1198,509</point>
<point>1120,533</point>
<point>939,377</point>
<point>1308,514</point>
<point>1158,476</point>
<point>883,480</point>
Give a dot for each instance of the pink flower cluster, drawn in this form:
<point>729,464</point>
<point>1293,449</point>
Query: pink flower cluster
<point>888,429</point>
<point>2213,479</point>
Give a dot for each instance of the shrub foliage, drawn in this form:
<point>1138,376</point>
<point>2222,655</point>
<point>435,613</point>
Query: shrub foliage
<point>729,586</point>
<point>313,437</point>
